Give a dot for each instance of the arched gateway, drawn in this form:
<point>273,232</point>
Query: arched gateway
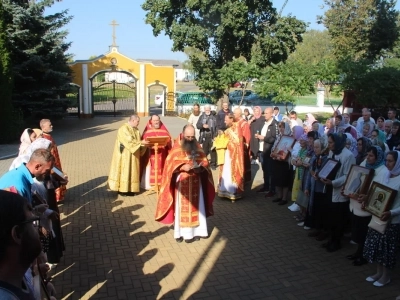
<point>116,84</point>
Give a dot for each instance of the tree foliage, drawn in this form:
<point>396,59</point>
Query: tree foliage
<point>223,31</point>
<point>9,119</point>
<point>361,29</point>
<point>37,46</point>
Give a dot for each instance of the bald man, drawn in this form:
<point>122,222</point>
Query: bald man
<point>267,135</point>
<point>244,126</point>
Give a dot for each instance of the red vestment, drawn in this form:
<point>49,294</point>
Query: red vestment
<point>245,128</point>
<point>60,191</point>
<point>189,183</point>
<point>149,156</point>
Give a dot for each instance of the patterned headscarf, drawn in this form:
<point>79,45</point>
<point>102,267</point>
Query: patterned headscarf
<point>380,156</point>
<point>259,114</point>
<point>353,144</point>
<point>340,142</point>
<point>396,169</point>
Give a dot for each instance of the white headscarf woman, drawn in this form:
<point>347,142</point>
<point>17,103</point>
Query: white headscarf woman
<point>24,158</point>
<point>27,137</point>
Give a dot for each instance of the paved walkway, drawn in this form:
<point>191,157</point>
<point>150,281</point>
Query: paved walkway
<point>115,249</point>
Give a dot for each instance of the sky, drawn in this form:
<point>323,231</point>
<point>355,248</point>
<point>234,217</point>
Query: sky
<point>91,34</point>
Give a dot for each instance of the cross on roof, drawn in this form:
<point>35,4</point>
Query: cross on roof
<point>114,37</point>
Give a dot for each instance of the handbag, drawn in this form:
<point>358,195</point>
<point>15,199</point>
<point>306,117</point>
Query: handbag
<point>378,225</point>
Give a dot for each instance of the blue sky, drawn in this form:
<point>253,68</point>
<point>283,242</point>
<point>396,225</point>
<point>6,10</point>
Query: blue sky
<point>91,33</point>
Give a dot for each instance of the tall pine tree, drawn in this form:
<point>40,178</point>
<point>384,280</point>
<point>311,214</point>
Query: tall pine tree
<point>38,49</point>
<point>9,121</point>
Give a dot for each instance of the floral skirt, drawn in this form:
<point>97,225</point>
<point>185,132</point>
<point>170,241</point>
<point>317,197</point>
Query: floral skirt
<point>382,248</point>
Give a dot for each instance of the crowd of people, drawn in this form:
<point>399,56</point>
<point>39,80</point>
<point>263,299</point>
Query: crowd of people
<point>292,152</point>
<point>31,236</point>
<point>293,155</point>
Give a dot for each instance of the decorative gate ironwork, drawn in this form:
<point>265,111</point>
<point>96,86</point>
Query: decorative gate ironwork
<point>112,96</point>
<point>73,96</point>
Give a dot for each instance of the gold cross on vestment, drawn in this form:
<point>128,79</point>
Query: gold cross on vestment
<point>114,37</point>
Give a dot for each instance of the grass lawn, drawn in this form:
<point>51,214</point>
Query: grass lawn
<point>312,100</point>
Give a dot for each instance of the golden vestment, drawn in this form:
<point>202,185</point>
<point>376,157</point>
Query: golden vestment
<point>125,164</point>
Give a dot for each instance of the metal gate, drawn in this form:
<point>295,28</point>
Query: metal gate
<point>113,96</point>
<point>73,96</point>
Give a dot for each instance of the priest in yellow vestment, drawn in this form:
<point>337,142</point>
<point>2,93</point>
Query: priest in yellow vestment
<point>125,166</point>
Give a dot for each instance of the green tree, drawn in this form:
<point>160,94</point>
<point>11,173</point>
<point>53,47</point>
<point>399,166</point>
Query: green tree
<point>37,45</point>
<point>286,80</point>
<point>9,120</point>
<point>223,31</point>
<point>361,29</point>
<point>315,47</point>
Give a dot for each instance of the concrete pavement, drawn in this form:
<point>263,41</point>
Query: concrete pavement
<point>115,249</point>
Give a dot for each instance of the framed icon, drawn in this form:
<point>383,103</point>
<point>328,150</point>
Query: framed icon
<point>285,144</point>
<point>358,180</point>
<point>380,199</point>
<point>329,169</point>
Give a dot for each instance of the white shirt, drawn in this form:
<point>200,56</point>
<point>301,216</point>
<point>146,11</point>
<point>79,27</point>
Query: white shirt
<point>263,133</point>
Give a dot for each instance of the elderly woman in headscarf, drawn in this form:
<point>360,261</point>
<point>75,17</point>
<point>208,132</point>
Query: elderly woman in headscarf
<point>310,119</point>
<point>383,248</point>
<point>256,122</point>
<point>297,192</point>
<point>339,205</point>
<point>27,137</point>
<point>351,144</point>
<point>361,218</point>
<point>378,138</point>
<point>317,210</point>
<point>363,144</point>
<point>282,167</point>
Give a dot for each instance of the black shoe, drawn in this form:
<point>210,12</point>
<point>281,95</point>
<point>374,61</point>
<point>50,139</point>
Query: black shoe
<point>214,167</point>
<point>189,241</point>
<point>282,202</point>
<point>196,238</point>
<point>333,248</point>
<point>352,256</point>
<point>263,190</point>
<point>277,200</point>
<point>360,261</point>
<point>123,194</point>
<point>180,240</point>
<point>326,245</point>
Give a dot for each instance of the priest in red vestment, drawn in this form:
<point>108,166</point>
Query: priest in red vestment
<point>245,129</point>
<point>231,177</point>
<point>150,165</point>
<point>47,128</point>
<point>187,189</point>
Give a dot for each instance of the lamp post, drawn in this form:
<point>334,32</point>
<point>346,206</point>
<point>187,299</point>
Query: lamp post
<point>114,69</point>
<point>174,66</point>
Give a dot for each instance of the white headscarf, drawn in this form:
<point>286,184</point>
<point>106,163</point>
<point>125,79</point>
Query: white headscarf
<point>25,142</point>
<point>396,169</point>
<point>37,144</point>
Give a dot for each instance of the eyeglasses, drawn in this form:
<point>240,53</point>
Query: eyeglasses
<point>35,221</point>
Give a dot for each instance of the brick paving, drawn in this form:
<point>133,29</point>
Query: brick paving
<point>115,249</point>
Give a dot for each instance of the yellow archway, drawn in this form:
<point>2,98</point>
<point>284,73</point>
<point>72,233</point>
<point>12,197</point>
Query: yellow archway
<point>145,74</point>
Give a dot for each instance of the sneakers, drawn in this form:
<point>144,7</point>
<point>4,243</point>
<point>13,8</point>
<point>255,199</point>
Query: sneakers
<point>294,207</point>
<point>306,228</point>
<point>301,224</point>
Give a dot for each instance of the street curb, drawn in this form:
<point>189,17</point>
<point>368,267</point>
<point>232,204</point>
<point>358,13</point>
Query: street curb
<point>9,156</point>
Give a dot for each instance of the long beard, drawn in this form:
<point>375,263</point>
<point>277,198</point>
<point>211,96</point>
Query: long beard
<point>189,146</point>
